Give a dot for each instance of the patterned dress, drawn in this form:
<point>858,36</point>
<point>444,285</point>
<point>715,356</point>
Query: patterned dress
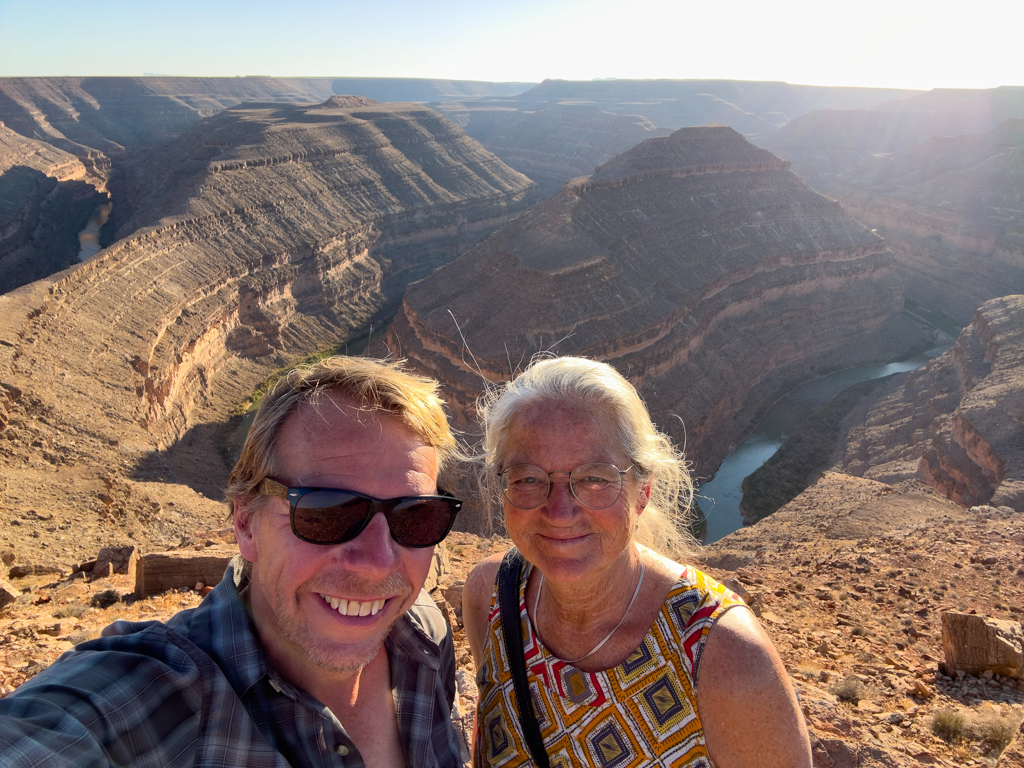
<point>640,713</point>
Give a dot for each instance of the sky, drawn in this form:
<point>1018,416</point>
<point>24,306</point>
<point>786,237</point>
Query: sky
<point>896,43</point>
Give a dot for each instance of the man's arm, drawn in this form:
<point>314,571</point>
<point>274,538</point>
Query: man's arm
<point>36,732</point>
<point>115,706</point>
<point>747,706</point>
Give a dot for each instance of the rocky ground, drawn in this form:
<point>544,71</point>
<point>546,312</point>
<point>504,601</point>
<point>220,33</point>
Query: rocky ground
<point>850,580</point>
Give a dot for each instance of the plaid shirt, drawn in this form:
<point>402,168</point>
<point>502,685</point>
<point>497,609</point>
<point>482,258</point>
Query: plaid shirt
<point>198,691</point>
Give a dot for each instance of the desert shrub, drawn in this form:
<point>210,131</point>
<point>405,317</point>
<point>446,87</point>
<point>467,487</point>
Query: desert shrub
<point>859,630</point>
<point>850,689</point>
<point>71,611</point>
<point>106,598</point>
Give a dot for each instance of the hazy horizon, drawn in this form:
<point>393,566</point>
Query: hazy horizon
<point>900,44</point>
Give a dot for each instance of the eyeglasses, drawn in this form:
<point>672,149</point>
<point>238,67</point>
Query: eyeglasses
<point>595,486</point>
<point>334,516</point>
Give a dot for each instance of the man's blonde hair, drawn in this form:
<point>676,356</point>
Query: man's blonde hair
<point>371,385</point>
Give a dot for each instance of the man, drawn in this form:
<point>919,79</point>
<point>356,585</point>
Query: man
<point>318,647</point>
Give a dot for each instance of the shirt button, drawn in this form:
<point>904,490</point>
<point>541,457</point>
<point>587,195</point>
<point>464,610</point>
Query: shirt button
<point>341,749</point>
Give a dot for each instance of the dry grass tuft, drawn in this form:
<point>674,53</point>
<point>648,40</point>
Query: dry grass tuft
<point>850,689</point>
<point>949,725</point>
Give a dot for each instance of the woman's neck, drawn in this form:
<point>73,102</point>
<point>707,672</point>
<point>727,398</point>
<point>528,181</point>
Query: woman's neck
<point>588,606</point>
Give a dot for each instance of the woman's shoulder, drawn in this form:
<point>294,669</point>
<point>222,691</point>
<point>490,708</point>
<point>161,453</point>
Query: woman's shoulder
<point>477,597</point>
<point>481,579</point>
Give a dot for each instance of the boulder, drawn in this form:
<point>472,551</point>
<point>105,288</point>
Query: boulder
<point>161,571</point>
<point>976,644</point>
<point>34,569</point>
<point>8,593</point>
<point>453,596</point>
<point>116,560</point>
<point>439,566</point>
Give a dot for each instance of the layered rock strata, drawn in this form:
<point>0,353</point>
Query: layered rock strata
<point>939,176</point>
<point>107,114</point>
<point>94,116</point>
<point>749,107</point>
<point>697,264</point>
<point>555,144</point>
<point>562,129</point>
<point>263,234</point>
<point>46,199</point>
<point>952,210</point>
<point>958,423</point>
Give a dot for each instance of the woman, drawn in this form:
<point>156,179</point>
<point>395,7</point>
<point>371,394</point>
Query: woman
<point>631,658</point>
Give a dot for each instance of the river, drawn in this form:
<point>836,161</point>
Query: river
<point>720,498</point>
<point>89,238</point>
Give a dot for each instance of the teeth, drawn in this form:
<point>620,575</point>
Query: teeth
<point>354,607</point>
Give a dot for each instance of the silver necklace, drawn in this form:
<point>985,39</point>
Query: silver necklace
<point>596,648</point>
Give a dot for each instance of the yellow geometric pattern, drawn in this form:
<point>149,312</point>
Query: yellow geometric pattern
<point>641,713</point>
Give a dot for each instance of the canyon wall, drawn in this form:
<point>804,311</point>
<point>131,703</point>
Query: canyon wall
<point>697,264</point>
<point>939,176</point>
<point>958,423</point>
<point>554,144</point>
<point>952,210</point>
<point>749,107</point>
<point>562,129</point>
<point>260,235</point>
<point>107,114</point>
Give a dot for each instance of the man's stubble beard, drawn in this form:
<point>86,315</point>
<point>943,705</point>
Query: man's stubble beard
<point>323,652</point>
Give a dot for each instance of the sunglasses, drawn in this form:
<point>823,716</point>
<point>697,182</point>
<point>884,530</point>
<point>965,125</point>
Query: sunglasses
<point>334,516</point>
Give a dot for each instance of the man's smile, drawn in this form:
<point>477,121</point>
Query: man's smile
<point>354,607</point>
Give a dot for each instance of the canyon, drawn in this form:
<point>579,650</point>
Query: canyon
<point>108,114</point>
<point>697,264</point>
<point>955,424</point>
<point>250,230</point>
<point>46,197</point>
<point>560,129</point>
<point>259,236</point>
<point>937,175</point>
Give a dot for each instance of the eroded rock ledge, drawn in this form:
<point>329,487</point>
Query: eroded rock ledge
<point>696,264</point>
<point>958,423</point>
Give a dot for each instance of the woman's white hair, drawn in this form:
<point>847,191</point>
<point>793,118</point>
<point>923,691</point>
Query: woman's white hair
<point>663,526</point>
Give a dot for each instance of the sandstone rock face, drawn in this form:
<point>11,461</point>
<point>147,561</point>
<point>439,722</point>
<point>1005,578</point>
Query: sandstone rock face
<point>46,198</point>
<point>260,236</point>
<point>696,264</point>
<point>554,144</point>
<point>955,424</point>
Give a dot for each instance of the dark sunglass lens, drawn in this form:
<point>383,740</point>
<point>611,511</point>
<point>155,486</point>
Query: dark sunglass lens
<point>329,517</point>
<point>422,522</point>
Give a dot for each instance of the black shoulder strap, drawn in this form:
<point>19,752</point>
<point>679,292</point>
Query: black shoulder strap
<point>508,602</point>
